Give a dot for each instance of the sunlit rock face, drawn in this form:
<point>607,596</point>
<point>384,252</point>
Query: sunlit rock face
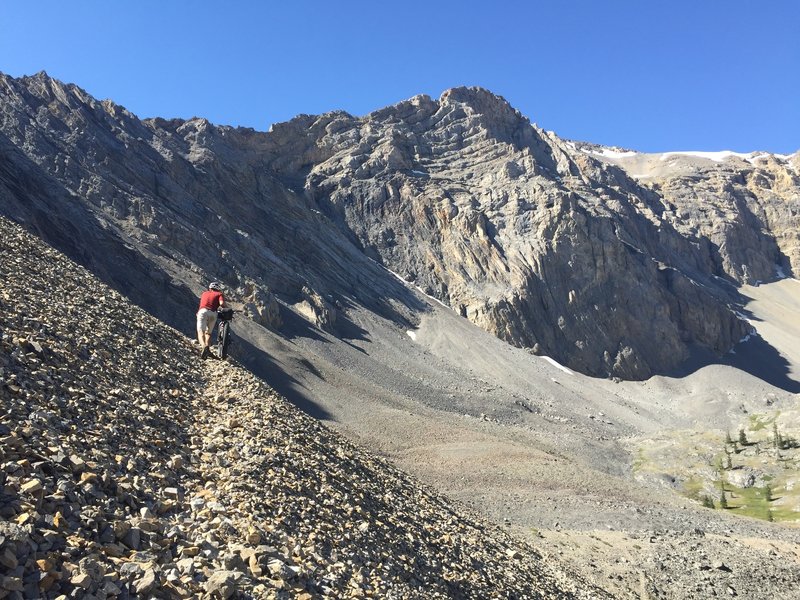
<point>551,245</point>
<point>614,263</point>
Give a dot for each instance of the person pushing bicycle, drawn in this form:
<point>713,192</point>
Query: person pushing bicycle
<point>210,301</point>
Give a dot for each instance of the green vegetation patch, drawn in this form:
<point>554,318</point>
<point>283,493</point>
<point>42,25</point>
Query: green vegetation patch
<point>750,502</point>
<point>694,487</point>
<point>705,462</point>
<point>762,421</point>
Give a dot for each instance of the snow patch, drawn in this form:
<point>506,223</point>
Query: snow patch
<point>741,341</point>
<point>419,173</point>
<point>558,365</point>
<point>419,289</point>
<point>610,153</point>
<point>715,156</point>
<point>629,245</point>
<point>412,334</point>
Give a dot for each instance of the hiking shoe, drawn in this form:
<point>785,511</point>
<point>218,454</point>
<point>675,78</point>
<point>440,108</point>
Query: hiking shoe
<point>206,352</point>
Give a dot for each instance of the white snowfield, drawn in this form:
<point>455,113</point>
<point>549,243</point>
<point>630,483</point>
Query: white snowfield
<point>611,153</point>
<point>719,156</point>
<point>643,165</point>
<point>726,154</point>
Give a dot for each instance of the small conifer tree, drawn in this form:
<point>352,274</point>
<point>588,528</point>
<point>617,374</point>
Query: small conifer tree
<point>723,500</point>
<point>720,466</point>
<point>776,436</point>
<point>742,437</point>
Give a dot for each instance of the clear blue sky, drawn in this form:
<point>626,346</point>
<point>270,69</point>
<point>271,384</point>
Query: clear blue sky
<point>642,74</point>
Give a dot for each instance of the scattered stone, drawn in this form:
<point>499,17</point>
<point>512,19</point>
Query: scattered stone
<point>82,580</point>
<point>31,486</point>
<point>146,582</point>
<point>253,537</point>
<point>222,584</point>
<point>77,463</point>
<point>11,584</point>
<point>720,566</point>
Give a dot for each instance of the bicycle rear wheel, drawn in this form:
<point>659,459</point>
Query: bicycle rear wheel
<point>223,340</point>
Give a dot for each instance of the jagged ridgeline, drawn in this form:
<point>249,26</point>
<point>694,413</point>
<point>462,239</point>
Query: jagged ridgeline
<point>129,468</point>
<point>613,267</point>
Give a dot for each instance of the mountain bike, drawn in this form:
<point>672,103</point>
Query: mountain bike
<point>224,318</point>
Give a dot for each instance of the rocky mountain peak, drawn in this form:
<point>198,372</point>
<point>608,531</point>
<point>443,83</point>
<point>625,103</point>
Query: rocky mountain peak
<point>46,89</point>
<point>480,101</point>
<point>533,238</point>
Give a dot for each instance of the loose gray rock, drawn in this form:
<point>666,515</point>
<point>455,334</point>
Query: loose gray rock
<point>273,500</point>
<point>222,584</point>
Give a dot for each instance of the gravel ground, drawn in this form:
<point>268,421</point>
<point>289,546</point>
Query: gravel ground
<point>130,468</point>
<point>543,451</point>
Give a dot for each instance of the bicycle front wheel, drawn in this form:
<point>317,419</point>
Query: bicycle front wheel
<point>223,340</point>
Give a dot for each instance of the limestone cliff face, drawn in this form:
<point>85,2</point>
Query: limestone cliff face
<point>545,244</point>
<point>747,205</point>
<point>553,245</point>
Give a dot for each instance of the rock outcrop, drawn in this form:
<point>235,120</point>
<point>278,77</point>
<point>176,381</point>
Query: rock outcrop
<point>746,205</point>
<point>130,468</point>
<point>545,243</point>
<point>541,242</point>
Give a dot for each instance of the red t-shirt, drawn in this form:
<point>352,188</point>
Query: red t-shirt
<point>211,299</point>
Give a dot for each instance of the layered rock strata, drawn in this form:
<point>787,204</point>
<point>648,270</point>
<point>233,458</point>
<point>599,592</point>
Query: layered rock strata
<point>543,242</point>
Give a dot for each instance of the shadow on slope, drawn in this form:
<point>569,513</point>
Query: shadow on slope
<point>43,206</point>
<point>755,357</point>
<point>258,361</point>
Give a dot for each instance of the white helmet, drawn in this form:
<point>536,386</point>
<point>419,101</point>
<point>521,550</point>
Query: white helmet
<point>215,285</point>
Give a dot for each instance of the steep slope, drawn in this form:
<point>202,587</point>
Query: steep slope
<point>531,237</point>
<point>130,467</point>
<point>156,208</point>
<point>534,447</point>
